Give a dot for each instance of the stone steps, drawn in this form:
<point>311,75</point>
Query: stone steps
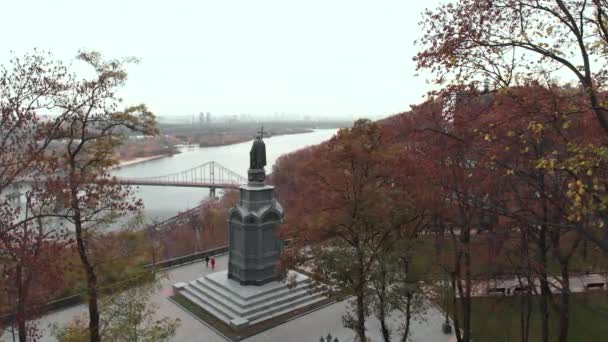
<point>287,307</point>
<point>312,300</point>
<point>242,310</point>
<point>260,307</point>
<point>258,292</point>
<point>238,305</point>
<point>237,300</point>
<point>207,306</point>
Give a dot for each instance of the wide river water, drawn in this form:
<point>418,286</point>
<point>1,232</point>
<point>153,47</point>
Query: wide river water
<point>163,202</point>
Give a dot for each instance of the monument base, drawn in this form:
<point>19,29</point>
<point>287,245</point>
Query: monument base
<point>240,306</point>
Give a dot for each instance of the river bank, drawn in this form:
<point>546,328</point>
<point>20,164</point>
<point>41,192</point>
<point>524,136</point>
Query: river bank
<point>224,141</point>
<point>162,203</point>
<point>230,139</point>
<point>134,161</point>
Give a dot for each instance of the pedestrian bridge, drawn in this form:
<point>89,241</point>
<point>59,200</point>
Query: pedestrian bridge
<point>208,175</point>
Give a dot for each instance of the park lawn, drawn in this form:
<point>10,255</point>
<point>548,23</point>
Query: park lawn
<point>490,260</point>
<point>497,319</point>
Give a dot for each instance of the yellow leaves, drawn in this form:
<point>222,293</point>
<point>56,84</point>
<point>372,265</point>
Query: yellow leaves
<point>510,133</point>
<point>536,127</point>
<point>566,125</point>
<point>487,137</point>
<point>548,164</point>
<point>504,91</point>
<point>510,172</point>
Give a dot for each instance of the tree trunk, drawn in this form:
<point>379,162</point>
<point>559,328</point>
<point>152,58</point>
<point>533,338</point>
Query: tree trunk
<point>361,315</point>
<point>21,326</point>
<point>525,308</point>
<point>361,299</point>
<point>466,300</point>
<point>408,305</point>
<point>525,298</point>
<point>528,311</point>
<point>386,335</point>
<point>408,317</point>
<point>545,291</point>
<point>89,270</point>
<point>564,312</point>
<point>456,319</point>
<point>600,112</point>
<point>522,317</point>
<point>383,327</point>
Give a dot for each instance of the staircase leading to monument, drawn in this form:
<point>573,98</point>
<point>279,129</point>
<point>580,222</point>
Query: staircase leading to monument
<point>240,306</point>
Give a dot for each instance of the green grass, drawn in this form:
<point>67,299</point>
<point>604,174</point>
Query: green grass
<point>497,319</point>
<point>429,256</point>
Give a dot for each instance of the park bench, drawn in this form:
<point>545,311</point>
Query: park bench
<point>497,291</point>
<point>519,289</point>
<point>594,286</point>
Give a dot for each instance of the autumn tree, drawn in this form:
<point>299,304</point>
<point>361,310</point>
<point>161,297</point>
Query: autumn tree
<point>354,212</point>
<point>29,87</point>
<point>470,40</point>
<point>92,128</point>
<point>518,42</point>
<point>127,315</point>
<point>29,268</point>
<point>459,184</point>
<point>499,152</point>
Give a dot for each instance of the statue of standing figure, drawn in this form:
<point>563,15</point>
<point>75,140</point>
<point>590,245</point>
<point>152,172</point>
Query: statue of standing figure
<point>257,158</point>
<point>257,155</point>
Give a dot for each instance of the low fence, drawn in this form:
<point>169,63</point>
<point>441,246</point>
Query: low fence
<point>186,259</point>
<point>66,302</point>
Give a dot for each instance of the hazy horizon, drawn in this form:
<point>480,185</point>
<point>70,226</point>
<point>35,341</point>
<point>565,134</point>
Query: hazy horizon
<point>321,59</point>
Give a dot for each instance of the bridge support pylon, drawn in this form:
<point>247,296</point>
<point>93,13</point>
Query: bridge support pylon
<point>212,193</point>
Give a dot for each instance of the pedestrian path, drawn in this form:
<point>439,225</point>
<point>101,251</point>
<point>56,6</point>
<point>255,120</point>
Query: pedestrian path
<point>306,328</point>
<point>513,286</point>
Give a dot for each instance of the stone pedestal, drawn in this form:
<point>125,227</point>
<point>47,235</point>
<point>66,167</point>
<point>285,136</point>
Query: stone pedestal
<point>240,306</point>
<point>254,244</point>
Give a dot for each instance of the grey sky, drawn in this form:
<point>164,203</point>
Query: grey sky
<point>316,57</point>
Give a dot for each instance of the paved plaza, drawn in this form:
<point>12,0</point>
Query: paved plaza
<point>309,327</point>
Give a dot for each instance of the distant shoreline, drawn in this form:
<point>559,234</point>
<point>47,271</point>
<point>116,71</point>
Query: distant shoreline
<point>134,161</point>
<point>242,139</point>
<point>130,162</point>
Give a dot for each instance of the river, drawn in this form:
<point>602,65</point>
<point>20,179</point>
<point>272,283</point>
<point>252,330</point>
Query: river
<point>164,202</point>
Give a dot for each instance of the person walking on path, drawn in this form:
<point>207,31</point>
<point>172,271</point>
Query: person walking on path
<point>212,263</point>
<point>207,261</point>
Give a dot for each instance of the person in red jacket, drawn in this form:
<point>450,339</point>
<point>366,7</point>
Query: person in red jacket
<point>212,263</point>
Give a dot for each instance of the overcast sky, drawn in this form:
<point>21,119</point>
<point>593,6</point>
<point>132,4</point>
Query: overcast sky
<point>315,57</point>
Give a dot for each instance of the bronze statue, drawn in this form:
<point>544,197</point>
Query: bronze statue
<point>257,155</point>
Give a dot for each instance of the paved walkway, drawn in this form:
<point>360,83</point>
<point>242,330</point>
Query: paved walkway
<point>511,286</point>
<point>306,328</point>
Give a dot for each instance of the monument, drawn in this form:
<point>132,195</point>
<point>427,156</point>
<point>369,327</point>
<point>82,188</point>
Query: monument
<point>251,290</point>
<point>254,245</point>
